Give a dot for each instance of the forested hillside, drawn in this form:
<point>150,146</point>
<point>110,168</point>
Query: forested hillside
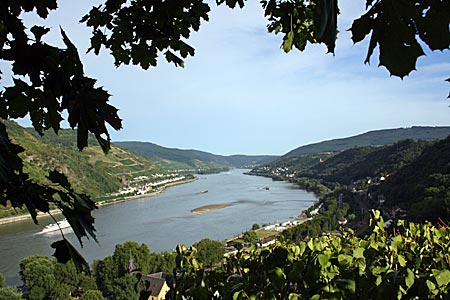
<point>175,159</point>
<point>90,171</point>
<point>373,138</point>
<point>423,186</point>
<point>409,179</point>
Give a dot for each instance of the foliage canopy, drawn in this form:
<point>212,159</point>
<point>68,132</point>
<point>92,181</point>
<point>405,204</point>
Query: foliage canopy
<point>49,82</point>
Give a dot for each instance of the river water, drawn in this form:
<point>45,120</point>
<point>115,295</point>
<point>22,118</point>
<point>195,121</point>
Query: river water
<point>165,220</point>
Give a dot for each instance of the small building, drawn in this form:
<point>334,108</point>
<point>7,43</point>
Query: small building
<point>157,287</point>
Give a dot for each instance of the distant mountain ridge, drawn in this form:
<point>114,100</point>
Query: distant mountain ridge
<point>373,138</point>
<point>173,158</point>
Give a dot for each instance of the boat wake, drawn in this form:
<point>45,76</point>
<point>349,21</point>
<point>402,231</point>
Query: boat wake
<point>56,227</point>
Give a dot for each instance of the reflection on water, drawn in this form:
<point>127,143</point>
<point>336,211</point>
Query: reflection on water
<point>166,220</point>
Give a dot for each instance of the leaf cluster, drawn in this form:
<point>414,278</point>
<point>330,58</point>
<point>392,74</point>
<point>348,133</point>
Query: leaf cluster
<point>303,21</point>
<point>413,264</point>
<point>396,26</point>
<point>48,81</point>
<point>138,31</point>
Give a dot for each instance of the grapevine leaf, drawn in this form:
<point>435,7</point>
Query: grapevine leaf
<point>323,260</point>
<point>361,27</point>
<point>434,28</point>
<point>442,277</point>
<point>288,40</point>
<point>64,251</point>
<point>409,279</point>
<point>325,22</point>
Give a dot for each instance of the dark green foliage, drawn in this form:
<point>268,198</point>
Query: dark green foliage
<point>160,29</point>
<point>327,219</point>
<point>209,252</point>
<point>61,292</point>
<point>367,162</point>
<point>113,276</point>
<point>373,138</point>
<point>48,279</point>
<point>162,262</point>
<point>10,293</point>
<point>124,288</point>
<point>395,27</point>
<point>37,274</point>
<point>250,237</point>
<point>422,187</point>
<point>413,264</point>
<point>92,295</point>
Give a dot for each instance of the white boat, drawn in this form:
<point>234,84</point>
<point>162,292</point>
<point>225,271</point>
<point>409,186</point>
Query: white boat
<point>56,226</point>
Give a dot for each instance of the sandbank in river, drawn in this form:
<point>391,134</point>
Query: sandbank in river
<point>208,208</point>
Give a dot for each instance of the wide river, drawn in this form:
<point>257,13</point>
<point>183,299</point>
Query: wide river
<point>165,220</point>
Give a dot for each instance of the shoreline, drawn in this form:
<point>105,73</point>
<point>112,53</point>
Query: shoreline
<point>25,217</point>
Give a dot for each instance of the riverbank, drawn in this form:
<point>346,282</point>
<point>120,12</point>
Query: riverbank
<point>26,217</point>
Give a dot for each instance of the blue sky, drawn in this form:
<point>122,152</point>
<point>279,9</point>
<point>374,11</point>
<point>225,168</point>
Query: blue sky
<point>241,94</point>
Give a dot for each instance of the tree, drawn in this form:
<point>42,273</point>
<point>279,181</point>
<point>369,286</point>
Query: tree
<point>50,81</point>
<point>92,295</point>
<point>10,293</point>
<point>67,274</point>
<point>162,262</point>
<point>209,252</point>
<point>250,237</point>
<point>61,292</point>
<point>113,274</point>
<point>37,275</point>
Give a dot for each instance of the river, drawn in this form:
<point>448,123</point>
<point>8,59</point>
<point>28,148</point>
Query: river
<point>165,220</point>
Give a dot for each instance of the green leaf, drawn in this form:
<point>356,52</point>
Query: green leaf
<point>323,260</point>
<point>401,260</point>
<point>345,260</point>
<point>358,252</point>
<point>409,279</point>
<point>442,277</point>
<point>432,287</point>
<point>294,296</point>
<point>288,40</point>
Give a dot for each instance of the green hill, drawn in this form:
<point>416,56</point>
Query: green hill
<point>347,166</point>
<point>413,176</point>
<point>373,138</point>
<point>90,171</point>
<point>368,162</point>
<point>423,186</point>
<point>176,159</point>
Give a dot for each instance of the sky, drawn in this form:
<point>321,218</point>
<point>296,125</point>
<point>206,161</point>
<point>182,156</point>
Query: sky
<point>241,94</point>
